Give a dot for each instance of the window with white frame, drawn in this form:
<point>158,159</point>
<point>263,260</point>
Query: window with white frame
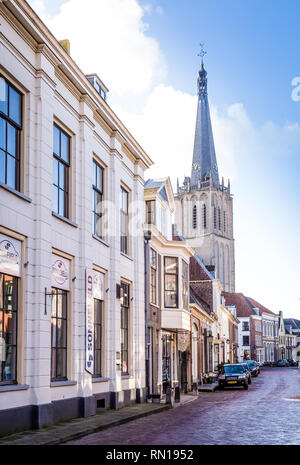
<point>153,276</point>
<point>124,197</point>
<point>10,134</point>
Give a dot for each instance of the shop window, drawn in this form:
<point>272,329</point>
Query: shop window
<point>98,318</point>
<point>59,335</point>
<point>8,328</point>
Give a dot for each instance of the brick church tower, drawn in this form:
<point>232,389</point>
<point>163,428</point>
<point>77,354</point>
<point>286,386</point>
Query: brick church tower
<point>204,212</point>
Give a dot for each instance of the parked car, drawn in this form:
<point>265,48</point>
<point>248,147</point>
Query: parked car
<point>283,363</point>
<point>246,366</point>
<point>292,362</point>
<point>253,367</point>
<point>232,375</point>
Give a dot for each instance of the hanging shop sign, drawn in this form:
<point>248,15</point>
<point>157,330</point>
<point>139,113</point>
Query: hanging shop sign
<point>10,256</point>
<point>94,289</point>
<point>89,321</point>
<point>60,277</point>
<point>183,341</point>
<point>98,285</point>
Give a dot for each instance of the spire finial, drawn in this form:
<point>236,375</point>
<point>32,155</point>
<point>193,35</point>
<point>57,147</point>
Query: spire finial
<point>202,53</point>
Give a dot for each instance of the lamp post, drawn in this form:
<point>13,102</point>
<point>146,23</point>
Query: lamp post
<point>210,339</point>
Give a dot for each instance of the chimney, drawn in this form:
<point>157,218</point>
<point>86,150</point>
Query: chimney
<point>65,43</point>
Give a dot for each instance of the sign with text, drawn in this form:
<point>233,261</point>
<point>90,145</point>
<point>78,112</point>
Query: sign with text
<point>89,322</point>
<point>10,256</point>
<point>98,285</point>
<point>60,276</point>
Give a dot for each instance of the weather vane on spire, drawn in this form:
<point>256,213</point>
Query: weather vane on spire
<point>202,53</point>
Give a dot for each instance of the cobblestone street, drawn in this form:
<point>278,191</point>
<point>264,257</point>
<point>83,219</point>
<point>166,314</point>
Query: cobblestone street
<point>268,413</point>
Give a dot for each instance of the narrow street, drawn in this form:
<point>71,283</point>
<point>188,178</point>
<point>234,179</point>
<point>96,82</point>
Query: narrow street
<point>268,413</point>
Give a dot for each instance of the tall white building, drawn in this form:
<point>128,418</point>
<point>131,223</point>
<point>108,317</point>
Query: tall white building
<point>204,212</point>
<point>71,236</point>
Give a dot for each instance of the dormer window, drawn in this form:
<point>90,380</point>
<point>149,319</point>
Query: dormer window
<point>150,212</point>
<point>98,85</point>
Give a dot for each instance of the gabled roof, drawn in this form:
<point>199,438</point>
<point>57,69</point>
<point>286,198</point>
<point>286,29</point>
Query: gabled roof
<point>261,307</point>
<point>295,324</point>
<point>163,188</point>
<point>196,296</point>
<point>288,329</point>
<point>207,275</point>
<point>243,307</point>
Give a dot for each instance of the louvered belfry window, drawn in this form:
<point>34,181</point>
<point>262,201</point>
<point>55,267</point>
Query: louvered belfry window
<point>194,217</point>
<point>204,221</point>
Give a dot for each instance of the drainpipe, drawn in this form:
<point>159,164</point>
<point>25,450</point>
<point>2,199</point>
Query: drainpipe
<point>147,238</point>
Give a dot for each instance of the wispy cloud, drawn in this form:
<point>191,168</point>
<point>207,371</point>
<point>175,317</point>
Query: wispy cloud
<point>108,37</point>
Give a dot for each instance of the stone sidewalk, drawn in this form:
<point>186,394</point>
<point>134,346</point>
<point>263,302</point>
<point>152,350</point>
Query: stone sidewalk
<point>74,429</point>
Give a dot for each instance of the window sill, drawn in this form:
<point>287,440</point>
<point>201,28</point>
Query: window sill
<point>13,387</point>
<point>66,220</point>
<point>127,376</point>
<point>62,383</point>
<point>15,192</point>
<point>100,380</point>
<point>100,240</point>
<point>126,256</point>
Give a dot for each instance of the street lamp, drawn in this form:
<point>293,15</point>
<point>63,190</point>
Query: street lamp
<point>210,338</point>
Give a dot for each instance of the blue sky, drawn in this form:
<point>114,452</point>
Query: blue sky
<point>253,54</point>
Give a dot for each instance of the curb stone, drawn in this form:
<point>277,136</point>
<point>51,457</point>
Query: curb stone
<point>54,435</point>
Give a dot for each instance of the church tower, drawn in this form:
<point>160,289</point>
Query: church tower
<point>204,214</point>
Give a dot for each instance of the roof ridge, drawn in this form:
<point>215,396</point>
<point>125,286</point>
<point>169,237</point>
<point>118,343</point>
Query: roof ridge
<point>249,303</point>
<point>199,261</point>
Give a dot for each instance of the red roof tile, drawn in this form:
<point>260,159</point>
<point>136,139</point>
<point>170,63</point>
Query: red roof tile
<point>243,309</point>
<point>256,304</point>
<point>203,292</point>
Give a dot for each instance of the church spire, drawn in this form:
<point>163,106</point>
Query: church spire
<point>204,166</point>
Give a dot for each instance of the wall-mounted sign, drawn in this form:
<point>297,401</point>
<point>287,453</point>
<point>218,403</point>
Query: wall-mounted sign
<point>89,321</point>
<point>60,277</point>
<point>98,285</point>
<point>183,341</point>
<point>10,256</point>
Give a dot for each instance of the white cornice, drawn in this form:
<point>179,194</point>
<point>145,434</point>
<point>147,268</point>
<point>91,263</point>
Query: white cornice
<point>31,28</point>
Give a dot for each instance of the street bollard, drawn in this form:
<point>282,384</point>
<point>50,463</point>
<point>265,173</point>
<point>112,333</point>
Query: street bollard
<point>195,389</point>
<point>177,394</point>
<point>169,396</point>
